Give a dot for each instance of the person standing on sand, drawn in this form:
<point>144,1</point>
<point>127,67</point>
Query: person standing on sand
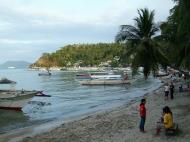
<point>166,91</point>
<point>171,90</point>
<point>142,114</point>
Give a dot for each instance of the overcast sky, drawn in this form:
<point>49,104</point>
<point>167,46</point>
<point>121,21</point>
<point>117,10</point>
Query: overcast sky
<point>29,28</point>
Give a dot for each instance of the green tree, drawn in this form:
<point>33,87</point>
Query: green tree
<point>181,17</point>
<point>143,50</point>
<point>175,33</point>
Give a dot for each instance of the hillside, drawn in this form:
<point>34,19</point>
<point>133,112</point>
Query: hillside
<point>84,55</point>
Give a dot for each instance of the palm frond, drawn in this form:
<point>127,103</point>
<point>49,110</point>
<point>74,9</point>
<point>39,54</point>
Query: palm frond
<point>126,32</point>
<point>140,45</point>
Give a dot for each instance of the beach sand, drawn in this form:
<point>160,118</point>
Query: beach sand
<point>121,124</point>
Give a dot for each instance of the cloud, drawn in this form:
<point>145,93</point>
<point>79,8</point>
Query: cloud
<point>14,41</point>
<point>32,27</point>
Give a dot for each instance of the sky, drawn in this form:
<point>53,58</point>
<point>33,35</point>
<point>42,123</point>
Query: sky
<point>29,28</point>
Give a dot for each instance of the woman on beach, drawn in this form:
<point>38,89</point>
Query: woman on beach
<point>142,115</point>
<point>168,118</point>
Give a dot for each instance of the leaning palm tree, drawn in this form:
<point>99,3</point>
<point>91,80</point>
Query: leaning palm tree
<point>141,47</point>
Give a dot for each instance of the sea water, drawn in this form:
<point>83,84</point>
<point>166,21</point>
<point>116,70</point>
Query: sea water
<point>68,98</point>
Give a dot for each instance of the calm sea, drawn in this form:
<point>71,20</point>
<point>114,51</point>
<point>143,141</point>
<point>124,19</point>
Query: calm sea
<point>69,98</point>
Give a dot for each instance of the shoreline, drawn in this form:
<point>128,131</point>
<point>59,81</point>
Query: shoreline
<point>33,130</point>
<point>117,124</point>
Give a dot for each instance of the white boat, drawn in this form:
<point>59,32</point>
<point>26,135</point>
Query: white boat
<point>99,75</point>
<point>105,78</point>
<point>15,100</point>
<point>105,82</point>
<point>12,67</point>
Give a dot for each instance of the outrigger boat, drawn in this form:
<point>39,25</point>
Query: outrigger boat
<point>48,73</point>
<point>104,82</point>
<point>15,100</point>
<point>98,75</point>
<point>44,74</point>
<point>105,78</point>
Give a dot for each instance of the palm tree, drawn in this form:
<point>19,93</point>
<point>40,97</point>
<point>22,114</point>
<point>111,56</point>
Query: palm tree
<point>141,46</point>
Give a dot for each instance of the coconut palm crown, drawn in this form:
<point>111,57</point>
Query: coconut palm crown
<point>141,46</point>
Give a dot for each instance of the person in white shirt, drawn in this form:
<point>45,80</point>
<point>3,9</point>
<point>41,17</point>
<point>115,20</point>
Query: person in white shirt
<point>166,91</point>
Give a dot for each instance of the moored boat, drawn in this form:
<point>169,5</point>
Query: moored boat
<point>83,76</point>
<point>15,100</point>
<point>44,74</point>
<point>105,78</point>
<point>105,82</point>
<point>99,75</point>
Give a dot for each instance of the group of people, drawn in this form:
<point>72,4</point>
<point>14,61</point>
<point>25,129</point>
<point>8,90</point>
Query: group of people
<point>166,119</point>
<point>169,89</point>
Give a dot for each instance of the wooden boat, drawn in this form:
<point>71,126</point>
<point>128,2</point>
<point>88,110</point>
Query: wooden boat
<point>41,94</point>
<point>83,76</point>
<point>44,74</point>
<point>15,100</point>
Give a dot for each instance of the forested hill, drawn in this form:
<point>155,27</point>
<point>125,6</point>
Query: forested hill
<point>84,55</point>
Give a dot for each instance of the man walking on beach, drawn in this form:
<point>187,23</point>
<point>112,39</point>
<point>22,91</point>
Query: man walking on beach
<point>171,90</point>
<point>142,114</point>
<point>166,90</point>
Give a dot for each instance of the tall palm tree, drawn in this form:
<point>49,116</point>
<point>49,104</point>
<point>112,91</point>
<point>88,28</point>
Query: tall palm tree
<point>141,46</point>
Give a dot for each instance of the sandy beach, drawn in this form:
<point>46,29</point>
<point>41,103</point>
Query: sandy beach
<point>121,124</point>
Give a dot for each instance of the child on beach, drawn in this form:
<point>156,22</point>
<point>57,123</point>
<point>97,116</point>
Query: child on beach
<point>142,114</point>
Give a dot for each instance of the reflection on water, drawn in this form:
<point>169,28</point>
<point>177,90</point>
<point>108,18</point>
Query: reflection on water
<point>69,98</point>
<point>11,119</point>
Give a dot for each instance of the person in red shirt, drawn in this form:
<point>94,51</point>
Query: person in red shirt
<point>142,111</point>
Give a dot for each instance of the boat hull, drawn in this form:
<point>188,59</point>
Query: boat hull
<point>105,82</point>
<point>44,74</point>
<point>15,100</point>
<point>13,104</point>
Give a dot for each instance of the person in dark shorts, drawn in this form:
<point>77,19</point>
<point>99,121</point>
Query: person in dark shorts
<point>166,91</point>
<point>171,90</point>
